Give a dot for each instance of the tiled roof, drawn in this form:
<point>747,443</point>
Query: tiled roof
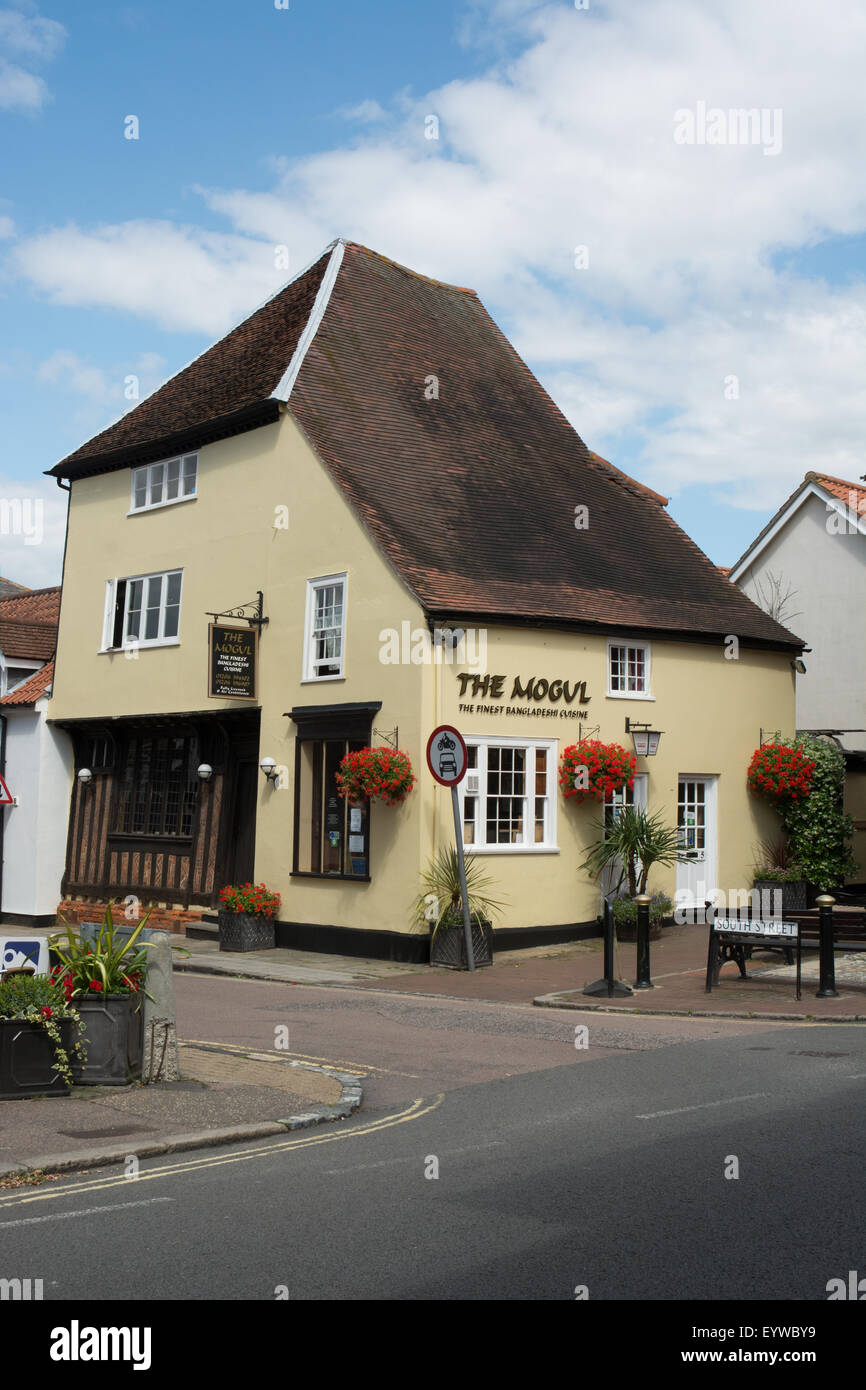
<point>230,383</point>
<point>469,484</point>
<point>32,689</point>
<point>852,494</point>
<point>28,623</point>
<point>34,606</point>
<point>8,586</point>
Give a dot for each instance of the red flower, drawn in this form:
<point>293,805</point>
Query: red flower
<point>46,1012</point>
<point>95,984</point>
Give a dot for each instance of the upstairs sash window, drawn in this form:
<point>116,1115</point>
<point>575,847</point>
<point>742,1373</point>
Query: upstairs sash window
<point>628,669</point>
<point>325,637</point>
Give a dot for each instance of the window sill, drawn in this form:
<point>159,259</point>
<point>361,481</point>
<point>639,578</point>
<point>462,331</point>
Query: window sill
<point>321,680</point>
<point>628,695</point>
<point>332,878</point>
<point>139,647</point>
<point>158,506</point>
<point>511,849</point>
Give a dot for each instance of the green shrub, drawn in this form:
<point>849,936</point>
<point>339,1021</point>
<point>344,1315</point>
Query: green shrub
<point>819,832</point>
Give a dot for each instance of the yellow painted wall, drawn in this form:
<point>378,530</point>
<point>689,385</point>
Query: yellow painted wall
<point>711,709</point>
<point>228,546</point>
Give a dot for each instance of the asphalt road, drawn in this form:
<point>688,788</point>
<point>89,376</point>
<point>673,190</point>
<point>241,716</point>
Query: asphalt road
<point>557,1168</point>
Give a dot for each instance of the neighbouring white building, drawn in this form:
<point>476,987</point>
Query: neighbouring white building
<point>35,760</point>
<point>808,568</point>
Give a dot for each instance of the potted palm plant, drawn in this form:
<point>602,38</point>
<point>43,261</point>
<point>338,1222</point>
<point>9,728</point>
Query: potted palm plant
<point>103,977</point>
<point>631,844</point>
<point>439,909</point>
<point>38,1037</point>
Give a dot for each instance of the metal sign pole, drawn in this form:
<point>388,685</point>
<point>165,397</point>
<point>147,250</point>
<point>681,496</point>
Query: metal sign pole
<point>461,865</point>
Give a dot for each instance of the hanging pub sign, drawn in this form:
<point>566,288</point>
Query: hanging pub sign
<point>232,662</point>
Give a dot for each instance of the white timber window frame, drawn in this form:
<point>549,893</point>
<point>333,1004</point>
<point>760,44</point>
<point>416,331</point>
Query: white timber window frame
<point>508,798</point>
<point>325,628</point>
<point>143,610</point>
<point>629,669</point>
<point>163,484</point>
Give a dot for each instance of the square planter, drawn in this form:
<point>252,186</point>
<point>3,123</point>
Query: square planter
<point>448,945</point>
<point>793,894</point>
<point>111,1040</point>
<point>246,931</point>
<point>27,1059</point>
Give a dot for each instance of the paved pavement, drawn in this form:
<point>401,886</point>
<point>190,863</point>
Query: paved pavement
<point>225,1094</point>
<point>557,974</point>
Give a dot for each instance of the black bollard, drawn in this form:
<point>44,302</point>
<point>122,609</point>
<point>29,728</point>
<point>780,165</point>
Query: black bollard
<point>827,964</point>
<point>643,980</point>
<point>608,985</point>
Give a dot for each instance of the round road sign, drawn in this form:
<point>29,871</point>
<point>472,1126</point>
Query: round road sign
<point>447,758</point>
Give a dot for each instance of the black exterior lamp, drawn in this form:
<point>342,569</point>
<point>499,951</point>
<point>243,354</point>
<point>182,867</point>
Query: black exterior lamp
<point>645,739</point>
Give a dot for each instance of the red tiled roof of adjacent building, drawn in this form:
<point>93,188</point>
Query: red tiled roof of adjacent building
<point>28,623</point>
<point>470,484</point>
<point>852,494</point>
<point>9,587</point>
<point>32,689</point>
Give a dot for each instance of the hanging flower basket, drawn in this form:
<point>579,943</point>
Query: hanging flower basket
<point>780,774</point>
<point>376,774</point>
<point>609,768</point>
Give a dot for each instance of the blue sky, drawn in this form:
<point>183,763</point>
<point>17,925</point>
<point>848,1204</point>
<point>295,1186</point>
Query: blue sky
<point>712,345</point>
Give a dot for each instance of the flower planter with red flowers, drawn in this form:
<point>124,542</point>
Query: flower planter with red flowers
<point>376,774</point>
<point>246,917</point>
<point>38,1036</point>
<point>781,775</point>
<point>591,771</point>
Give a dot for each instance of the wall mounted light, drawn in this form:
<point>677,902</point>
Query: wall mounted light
<point>269,768</point>
<point>205,771</point>
<point>798,666</point>
<point>645,740</point>
<point>85,776</point>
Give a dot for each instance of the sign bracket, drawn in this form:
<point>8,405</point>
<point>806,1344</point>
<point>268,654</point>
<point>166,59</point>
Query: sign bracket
<point>257,620</point>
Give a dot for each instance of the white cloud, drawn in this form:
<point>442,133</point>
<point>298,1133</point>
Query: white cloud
<point>7,228</point>
<point>34,518</point>
<point>572,143</point>
<point>367,112</point>
<point>103,385</point>
<point>28,38</point>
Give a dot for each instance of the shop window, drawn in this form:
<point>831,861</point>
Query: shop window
<point>143,611</point>
<point>325,629</point>
<point>333,834</point>
<point>158,787</point>
<point>508,795</point>
<point>628,669</point>
<point>160,484</point>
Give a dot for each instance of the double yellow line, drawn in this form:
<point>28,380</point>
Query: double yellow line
<point>415,1111</point>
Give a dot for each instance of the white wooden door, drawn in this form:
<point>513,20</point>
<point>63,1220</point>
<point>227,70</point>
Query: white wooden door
<point>696,827</point>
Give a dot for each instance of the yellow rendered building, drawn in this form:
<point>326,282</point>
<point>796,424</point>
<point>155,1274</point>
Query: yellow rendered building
<point>366,483</point>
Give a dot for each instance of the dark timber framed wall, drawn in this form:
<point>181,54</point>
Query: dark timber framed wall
<point>103,860</point>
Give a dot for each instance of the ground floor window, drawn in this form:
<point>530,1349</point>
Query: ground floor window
<point>508,794</point>
<point>159,786</point>
<point>333,834</point>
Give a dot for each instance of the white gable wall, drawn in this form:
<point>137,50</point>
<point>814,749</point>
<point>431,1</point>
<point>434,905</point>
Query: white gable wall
<point>39,773</point>
<point>828,572</point>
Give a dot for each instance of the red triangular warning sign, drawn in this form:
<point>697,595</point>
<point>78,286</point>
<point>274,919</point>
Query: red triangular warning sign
<point>5,794</point>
